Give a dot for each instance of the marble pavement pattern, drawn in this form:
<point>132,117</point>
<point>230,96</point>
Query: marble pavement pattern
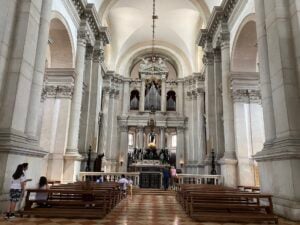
<point>136,210</point>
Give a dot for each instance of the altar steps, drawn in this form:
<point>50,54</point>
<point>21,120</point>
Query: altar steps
<point>150,191</point>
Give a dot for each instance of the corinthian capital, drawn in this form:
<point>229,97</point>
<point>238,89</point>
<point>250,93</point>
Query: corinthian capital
<point>98,55</point>
<point>82,36</point>
<point>89,53</point>
<point>208,58</point>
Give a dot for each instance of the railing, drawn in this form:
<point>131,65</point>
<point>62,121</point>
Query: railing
<point>200,179</point>
<point>135,177</point>
<point>111,177</point>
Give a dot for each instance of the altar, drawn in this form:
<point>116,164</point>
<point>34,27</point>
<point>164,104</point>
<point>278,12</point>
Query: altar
<point>150,172</point>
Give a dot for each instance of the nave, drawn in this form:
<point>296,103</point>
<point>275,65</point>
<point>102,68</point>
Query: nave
<point>145,209</point>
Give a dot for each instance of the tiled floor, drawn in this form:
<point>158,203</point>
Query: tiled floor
<point>136,210</point>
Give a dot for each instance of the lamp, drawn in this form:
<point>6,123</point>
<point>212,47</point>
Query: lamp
<point>121,162</point>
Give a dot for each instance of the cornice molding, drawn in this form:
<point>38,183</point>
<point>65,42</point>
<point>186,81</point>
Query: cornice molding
<point>219,14</point>
<point>87,11</point>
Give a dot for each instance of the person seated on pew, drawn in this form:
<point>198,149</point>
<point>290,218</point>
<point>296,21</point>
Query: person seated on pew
<point>99,180</point>
<point>123,184</point>
<point>42,196</point>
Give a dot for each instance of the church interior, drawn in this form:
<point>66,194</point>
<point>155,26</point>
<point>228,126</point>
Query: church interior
<point>97,89</point>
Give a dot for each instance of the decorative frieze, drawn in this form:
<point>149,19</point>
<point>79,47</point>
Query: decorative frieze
<point>246,96</point>
<point>59,83</point>
<point>60,91</point>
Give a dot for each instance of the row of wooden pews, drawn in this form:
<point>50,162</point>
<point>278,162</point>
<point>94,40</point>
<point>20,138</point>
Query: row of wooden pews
<point>76,200</point>
<point>215,203</point>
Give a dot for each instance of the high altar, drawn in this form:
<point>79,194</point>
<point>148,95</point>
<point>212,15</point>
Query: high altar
<point>149,153</point>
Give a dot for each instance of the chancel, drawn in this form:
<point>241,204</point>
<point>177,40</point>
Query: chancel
<point>124,108</point>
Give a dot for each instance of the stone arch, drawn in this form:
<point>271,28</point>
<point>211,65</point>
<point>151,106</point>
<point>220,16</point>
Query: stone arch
<point>244,50</point>
<point>183,65</point>
<point>134,99</point>
<point>171,100</point>
<point>60,52</point>
<point>108,4</point>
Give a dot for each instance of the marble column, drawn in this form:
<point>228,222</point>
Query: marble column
<point>39,69</point>
<point>279,162</point>
<point>114,133</point>
<point>19,29</point>
<point>162,137</point>
<point>105,118</point>
<point>228,162</point>
<point>219,146</point>
<point>72,156</point>
<point>264,72</point>
<point>15,96</point>
<point>123,147</point>
<point>180,147</point>
<point>126,97</point>
<point>142,94</point>
<point>195,131</point>
<point>179,95</point>
<point>84,141</point>
<point>163,94</point>
<point>140,137</point>
<point>111,110</point>
<point>96,95</point>
<point>200,122</point>
<point>208,60</point>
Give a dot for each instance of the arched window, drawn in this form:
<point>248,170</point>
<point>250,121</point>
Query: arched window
<point>134,100</point>
<point>171,101</point>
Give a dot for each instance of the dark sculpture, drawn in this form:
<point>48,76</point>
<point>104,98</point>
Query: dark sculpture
<point>164,156</point>
<point>213,165</point>
<point>88,163</point>
<point>98,163</point>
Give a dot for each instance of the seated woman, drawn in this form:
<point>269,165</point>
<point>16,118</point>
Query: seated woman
<point>42,196</point>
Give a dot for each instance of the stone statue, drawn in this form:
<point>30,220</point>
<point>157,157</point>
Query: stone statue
<point>98,163</point>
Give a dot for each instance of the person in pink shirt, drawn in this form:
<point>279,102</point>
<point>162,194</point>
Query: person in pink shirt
<point>173,176</point>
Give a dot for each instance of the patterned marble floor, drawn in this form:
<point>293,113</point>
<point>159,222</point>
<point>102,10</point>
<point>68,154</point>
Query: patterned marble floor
<point>136,210</point>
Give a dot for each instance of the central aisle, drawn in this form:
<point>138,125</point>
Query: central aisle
<point>147,210</point>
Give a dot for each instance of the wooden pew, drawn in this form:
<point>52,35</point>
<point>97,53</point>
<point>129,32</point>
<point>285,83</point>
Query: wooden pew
<point>77,200</point>
<point>222,204</point>
<point>232,207</point>
<point>68,204</point>
<point>249,188</point>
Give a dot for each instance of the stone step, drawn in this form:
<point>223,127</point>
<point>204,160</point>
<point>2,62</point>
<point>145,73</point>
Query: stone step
<point>149,191</point>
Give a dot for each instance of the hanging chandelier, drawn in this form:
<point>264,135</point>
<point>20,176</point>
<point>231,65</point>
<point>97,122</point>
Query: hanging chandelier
<point>153,65</point>
<point>154,17</point>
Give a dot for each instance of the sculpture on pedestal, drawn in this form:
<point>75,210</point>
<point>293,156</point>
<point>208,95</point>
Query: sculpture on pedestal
<point>98,163</point>
<point>88,163</point>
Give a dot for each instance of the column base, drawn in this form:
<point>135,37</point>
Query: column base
<point>279,166</point>
<point>55,166</point>
<point>72,163</point>
<point>229,171</point>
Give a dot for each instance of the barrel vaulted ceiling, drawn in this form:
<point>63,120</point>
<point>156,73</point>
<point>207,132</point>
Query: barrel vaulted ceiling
<point>178,24</point>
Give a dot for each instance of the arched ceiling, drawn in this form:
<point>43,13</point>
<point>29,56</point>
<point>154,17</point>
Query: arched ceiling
<point>178,24</point>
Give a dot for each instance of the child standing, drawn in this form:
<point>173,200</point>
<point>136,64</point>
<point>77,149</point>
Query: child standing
<point>16,188</point>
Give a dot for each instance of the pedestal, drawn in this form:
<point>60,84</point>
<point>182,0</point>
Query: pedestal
<point>71,167</point>
<point>228,171</point>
